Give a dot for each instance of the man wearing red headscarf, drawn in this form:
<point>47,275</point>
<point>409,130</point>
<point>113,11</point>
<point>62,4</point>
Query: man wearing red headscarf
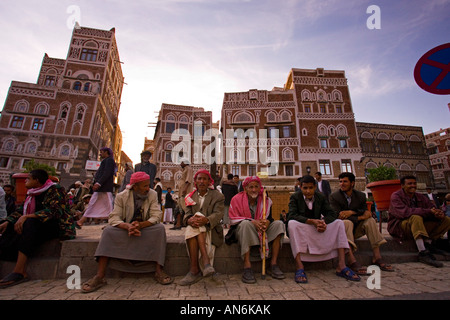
<point>251,218</point>
<point>204,231</point>
<point>134,240</point>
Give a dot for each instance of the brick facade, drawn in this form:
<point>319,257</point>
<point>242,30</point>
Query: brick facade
<point>70,113</point>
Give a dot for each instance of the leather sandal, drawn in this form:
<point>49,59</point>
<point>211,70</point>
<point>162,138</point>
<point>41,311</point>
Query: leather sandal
<point>93,284</point>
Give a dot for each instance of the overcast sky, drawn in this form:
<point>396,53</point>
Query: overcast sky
<point>191,52</point>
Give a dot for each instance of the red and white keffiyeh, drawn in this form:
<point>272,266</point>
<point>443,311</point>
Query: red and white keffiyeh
<point>29,206</point>
<point>188,199</point>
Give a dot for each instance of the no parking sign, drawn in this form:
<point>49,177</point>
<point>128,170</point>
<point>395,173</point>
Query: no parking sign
<point>432,71</point>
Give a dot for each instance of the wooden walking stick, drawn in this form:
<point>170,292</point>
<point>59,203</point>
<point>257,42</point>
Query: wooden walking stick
<point>263,272</point>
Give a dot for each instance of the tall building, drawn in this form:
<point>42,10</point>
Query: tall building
<point>70,113</point>
<point>309,125</point>
<point>438,147</point>
<point>397,146</point>
<point>182,133</point>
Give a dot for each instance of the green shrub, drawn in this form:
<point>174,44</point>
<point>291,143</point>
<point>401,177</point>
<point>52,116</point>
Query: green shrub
<point>381,173</point>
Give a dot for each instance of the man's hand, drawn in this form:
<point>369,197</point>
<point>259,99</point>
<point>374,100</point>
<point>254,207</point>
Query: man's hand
<point>3,227</point>
<point>320,225</point>
<point>438,213</point>
<point>96,186</point>
<point>134,229</point>
<point>345,214</point>
<point>261,225</point>
<point>18,226</point>
<point>197,221</point>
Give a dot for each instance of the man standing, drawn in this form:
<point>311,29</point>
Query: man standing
<point>350,206</point>
<point>45,215</point>
<point>9,199</point>
<point>229,190</point>
<point>204,232</point>
<point>185,186</point>
<point>433,197</point>
<point>101,203</point>
<point>133,225</point>
<point>146,166</point>
<point>413,216</point>
<point>238,183</point>
<point>247,212</point>
<point>323,186</point>
<point>126,179</point>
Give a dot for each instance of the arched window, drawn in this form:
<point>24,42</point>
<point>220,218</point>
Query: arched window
<point>271,116</point>
<point>31,147</point>
<point>65,151</point>
<point>285,116</point>
<point>77,86</point>
<point>87,86</point>
<point>9,145</point>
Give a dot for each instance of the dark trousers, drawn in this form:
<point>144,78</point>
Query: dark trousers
<point>34,233</point>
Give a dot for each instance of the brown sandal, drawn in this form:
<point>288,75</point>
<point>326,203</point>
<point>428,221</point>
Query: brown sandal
<point>358,269</point>
<point>93,284</point>
<point>383,266</point>
<point>163,278</point>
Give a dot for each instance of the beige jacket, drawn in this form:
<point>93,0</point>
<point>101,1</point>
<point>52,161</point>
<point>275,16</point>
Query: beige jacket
<point>124,208</point>
<point>213,209</point>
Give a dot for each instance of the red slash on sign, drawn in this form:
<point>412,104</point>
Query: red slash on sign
<point>432,71</point>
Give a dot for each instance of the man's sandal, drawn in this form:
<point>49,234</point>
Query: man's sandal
<point>358,269</point>
<point>348,274</point>
<point>163,278</point>
<point>383,266</point>
<point>93,284</point>
<point>300,276</point>
<point>12,279</point>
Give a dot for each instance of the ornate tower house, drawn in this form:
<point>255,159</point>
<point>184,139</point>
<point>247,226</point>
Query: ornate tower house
<point>70,113</point>
<point>309,125</point>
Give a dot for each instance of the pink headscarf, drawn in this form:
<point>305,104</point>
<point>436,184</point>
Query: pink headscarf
<point>29,206</point>
<point>137,177</point>
<point>188,199</point>
<point>240,210</point>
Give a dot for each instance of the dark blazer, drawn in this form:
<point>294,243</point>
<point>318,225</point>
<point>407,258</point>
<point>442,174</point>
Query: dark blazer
<point>105,175</point>
<point>338,203</point>
<point>297,208</point>
<point>213,209</point>
<point>326,189</point>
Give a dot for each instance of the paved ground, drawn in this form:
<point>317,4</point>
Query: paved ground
<point>410,281</point>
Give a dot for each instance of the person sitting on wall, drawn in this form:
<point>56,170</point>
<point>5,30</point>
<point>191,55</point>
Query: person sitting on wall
<point>45,215</point>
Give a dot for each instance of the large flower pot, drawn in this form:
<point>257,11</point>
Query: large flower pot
<point>21,190</point>
<point>382,191</point>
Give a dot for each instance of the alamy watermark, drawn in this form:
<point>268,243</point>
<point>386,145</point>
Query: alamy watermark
<point>241,147</point>
<point>74,20</point>
<point>374,21</point>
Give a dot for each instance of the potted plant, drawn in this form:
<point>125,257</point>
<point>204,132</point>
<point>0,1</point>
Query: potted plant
<point>383,182</point>
<point>19,178</point>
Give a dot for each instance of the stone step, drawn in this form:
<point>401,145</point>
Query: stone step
<point>53,259</point>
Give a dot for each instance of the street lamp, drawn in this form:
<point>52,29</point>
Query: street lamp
<point>308,170</point>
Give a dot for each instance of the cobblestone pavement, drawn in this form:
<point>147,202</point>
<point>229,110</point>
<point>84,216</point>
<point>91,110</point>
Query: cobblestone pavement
<point>410,278</point>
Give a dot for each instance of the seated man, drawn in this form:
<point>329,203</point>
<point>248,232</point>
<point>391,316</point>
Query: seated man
<point>351,207</point>
<point>246,211</point>
<point>45,215</point>
<point>204,232</point>
<point>413,216</point>
<point>134,238</point>
<point>313,238</point>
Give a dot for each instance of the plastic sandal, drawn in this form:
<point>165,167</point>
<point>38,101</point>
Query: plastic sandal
<point>348,274</point>
<point>300,276</point>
